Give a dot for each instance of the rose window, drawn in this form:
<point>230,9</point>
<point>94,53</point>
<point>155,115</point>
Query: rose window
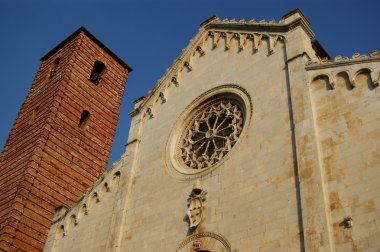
<point>211,134</point>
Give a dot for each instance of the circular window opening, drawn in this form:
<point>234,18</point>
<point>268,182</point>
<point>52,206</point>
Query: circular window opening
<point>208,131</point>
<point>212,132</point>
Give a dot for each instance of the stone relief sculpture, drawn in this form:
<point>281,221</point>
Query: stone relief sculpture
<point>195,204</point>
<point>204,242</point>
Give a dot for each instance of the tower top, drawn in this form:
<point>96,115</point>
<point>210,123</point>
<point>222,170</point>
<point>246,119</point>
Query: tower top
<point>93,38</point>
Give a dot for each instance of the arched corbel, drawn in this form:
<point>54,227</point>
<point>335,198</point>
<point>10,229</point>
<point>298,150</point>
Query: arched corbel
<point>85,209</point>
<point>353,80</point>
<point>331,81</point>
<point>209,34</point>
<point>228,37</point>
<point>188,64</point>
<point>375,78</point>
<point>237,36</point>
<point>256,41</point>
<point>272,43</point>
<point>116,177</point>
<point>162,97</point>
<point>216,37</point>
<point>106,187</point>
<point>174,80</point>
<point>96,196</point>
<point>200,50</point>
<point>149,113</point>
<point>74,219</point>
<point>62,230</point>
<point>349,74</point>
<point>242,41</point>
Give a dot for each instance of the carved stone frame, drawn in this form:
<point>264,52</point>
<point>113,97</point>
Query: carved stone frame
<point>223,241</point>
<point>174,164</point>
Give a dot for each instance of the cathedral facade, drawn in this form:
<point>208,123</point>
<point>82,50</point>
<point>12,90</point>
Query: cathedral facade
<point>253,140</point>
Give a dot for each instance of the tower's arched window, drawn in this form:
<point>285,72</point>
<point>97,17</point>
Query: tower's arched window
<point>84,119</point>
<point>97,72</point>
<point>54,68</point>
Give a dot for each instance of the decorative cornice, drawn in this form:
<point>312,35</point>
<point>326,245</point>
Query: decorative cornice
<point>261,26</point>
<point>246,33</point>
<point>340,61</point>
<point>172,76</point>
<point>134,112</point>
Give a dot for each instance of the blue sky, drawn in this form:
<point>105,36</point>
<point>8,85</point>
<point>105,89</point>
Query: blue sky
<point>149,35</point>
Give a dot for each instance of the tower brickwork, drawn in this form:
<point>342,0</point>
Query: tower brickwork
<point>61,139</point>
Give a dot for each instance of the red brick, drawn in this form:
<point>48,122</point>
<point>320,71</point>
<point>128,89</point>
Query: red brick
<point>48,160</point>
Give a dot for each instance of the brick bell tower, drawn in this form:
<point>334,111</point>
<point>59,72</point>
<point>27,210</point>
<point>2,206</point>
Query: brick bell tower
<point>61,139</point>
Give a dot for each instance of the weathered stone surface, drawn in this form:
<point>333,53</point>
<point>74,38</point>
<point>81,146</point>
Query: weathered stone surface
<point>302,174</point>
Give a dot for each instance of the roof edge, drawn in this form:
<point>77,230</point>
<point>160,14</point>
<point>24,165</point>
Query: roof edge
<point>93,38</point>
<point>319,49</point>
<point>294,11</point>
<point>208,20</point>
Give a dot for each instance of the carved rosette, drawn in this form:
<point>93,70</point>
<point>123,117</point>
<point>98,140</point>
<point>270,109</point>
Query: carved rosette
<point>212,134</point>
<point>208,131</point>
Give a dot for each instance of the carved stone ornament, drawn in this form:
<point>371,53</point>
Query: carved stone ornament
<point>208,131</point>
<point>375,53</point>
<point>195,204</point>
<point>211,134</point>
<point>197,245</point>
<point>204,242</point>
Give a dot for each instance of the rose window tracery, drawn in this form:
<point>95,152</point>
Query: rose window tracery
<point>211,134</point>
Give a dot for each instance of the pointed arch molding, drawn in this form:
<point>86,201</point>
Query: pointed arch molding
<point>221,37</point>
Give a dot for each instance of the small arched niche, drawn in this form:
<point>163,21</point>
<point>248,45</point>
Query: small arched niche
<point>342,80</point>
<point>73,221</point>
<point>93,200</point>
<point>97,72</point>
<point>115,179</point>
<point>84,118</point>
<point>363,79</point>
<point>54,67</point>
<point>82,210</point>
<point>105,188</point>
<point>321,82</point>
<point>61,232</point>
